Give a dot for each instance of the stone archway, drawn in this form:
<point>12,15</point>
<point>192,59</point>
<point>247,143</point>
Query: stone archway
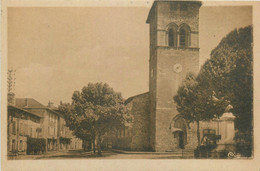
<point>179,130</point>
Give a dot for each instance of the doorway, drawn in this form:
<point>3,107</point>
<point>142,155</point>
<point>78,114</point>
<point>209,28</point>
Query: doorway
<point>13,145</point>
<point>179,129</point>
<point>181,140</point>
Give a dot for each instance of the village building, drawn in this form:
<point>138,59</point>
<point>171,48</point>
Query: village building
<point>21,124</point>
<point>174,52</point>
<point>44,122</point>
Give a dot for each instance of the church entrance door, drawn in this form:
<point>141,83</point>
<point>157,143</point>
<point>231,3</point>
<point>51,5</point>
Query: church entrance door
<point>181,140</point>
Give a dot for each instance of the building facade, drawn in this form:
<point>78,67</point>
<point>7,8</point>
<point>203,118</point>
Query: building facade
<point>52,125</point>
<point>174,52</point>
<point>21,125</point>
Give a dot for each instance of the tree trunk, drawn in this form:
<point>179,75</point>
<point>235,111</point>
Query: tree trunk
<point>198,132</point>
<point>84,145</point>
<point>99,144</point>
<point>89,148</point>
<point>94,145</point>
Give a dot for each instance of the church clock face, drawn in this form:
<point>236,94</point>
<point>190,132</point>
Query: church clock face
<point>177,68</point>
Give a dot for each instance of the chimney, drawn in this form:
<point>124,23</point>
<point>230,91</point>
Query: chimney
<point>26,102</point>
<point>50,104</point>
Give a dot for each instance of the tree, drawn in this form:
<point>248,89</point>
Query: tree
<point>196,103</point>
<point>229,73</point>
<point>225,79</point>
<point>95,111</point>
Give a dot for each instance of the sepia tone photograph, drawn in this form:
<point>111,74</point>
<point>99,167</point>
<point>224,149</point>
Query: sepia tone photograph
<point>161,80</point>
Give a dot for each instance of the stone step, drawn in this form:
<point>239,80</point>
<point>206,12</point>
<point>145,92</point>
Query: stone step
<point>174,153</point>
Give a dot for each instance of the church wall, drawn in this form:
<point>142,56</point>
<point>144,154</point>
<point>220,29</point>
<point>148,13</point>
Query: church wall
<point>164,137</point>
<point>167,14</point>
<point>192,140</point>
<point>194,39</point>
<point>152,78</point>
<point>141,125</point>
<point>164,80</point>
<point>168,82</point>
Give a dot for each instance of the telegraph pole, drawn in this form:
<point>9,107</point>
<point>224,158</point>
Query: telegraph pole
<point>11,100</point>
<point>11,85</point>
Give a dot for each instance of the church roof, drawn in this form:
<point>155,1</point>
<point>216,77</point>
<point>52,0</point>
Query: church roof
<point>133,97</point>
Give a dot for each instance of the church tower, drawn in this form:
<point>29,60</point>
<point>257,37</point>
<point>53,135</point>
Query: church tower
<point>174,52</point>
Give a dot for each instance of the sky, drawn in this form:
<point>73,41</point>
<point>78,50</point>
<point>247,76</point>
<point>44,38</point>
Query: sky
<point>57,50</point>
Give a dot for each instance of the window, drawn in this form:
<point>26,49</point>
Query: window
<point>172,35</point>
<point>21,145</point>
<point>13,145</point>
<point>14,128</point>
<point>171,38</point>
<point>184,37</point>
<point>21,128</point>
<point>31,133</point>
<point>26,129</point>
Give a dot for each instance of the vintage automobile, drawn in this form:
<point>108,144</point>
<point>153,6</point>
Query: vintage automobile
<point>208,143</point>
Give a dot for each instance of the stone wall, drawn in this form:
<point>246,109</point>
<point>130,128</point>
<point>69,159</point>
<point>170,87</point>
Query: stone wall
<point>169,12</point>
<point>164,81</point>
<point>167,83</point>
<point>140,132</point>
<point>152,78</point>
<point>20,125</point>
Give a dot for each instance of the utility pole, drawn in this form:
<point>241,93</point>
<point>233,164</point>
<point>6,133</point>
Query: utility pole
<point>11,85</point>
<point>11,100</point>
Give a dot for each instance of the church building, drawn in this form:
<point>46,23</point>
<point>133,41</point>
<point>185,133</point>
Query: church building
<point>174,52</point>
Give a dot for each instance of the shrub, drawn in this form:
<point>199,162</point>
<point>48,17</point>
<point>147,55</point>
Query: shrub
<point>244,144</point>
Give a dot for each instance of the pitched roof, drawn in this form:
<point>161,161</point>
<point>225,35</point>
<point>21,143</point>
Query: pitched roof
<point>38,112</point>
<point>131,98</point>
<point>11,107</point>
<point>28,103</point>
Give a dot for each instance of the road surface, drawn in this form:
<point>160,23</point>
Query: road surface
<point>90,155</point>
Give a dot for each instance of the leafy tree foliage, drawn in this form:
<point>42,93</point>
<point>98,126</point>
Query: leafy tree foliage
<point>229,73</point>
<point>197,103</point>
<point>95,111</point>
<point>225,79</point>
